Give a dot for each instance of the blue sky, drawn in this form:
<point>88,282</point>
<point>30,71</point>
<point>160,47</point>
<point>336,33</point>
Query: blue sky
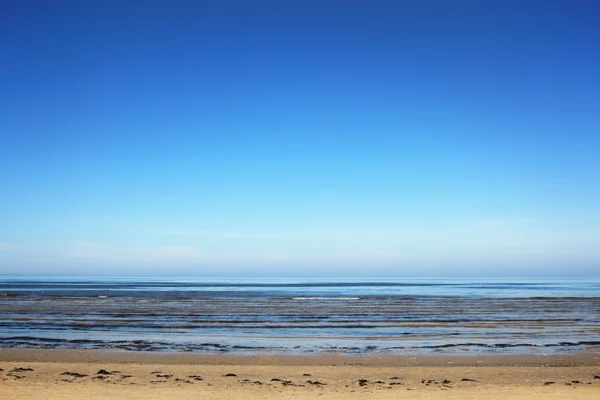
<point>300,138</point>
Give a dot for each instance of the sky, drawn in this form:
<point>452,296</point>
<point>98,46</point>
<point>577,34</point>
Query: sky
<point>300,138</point>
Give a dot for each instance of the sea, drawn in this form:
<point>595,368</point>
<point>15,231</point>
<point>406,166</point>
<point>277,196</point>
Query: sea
<point>301,316</point>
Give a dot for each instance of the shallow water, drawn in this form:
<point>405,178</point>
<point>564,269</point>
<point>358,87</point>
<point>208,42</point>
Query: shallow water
<point>301,315</point>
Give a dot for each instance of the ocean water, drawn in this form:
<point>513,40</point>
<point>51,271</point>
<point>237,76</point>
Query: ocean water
<point>301,316</point>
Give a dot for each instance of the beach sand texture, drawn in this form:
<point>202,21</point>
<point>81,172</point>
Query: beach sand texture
<point>35,374</point>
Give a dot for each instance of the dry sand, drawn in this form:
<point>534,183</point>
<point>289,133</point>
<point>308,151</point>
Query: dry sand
<point>69,374</point>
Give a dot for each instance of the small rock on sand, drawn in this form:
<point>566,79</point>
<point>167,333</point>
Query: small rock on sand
<point>103,372</point>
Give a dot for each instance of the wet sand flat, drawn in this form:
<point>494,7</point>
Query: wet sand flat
<point>29,374</point>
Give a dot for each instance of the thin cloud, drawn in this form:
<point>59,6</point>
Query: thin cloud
<point>6,246</point>
<point>96,252</point>
<point>213,233</point>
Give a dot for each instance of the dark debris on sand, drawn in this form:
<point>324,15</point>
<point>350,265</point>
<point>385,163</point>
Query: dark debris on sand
<point>74,374</point>
<point>230,374</point>
<point>19,369</point>
<point>103,372</point>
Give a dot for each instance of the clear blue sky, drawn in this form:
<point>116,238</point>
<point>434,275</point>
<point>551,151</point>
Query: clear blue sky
<point>302,138</point>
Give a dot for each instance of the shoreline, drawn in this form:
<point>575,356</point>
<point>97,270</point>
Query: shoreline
<point>382,360</point>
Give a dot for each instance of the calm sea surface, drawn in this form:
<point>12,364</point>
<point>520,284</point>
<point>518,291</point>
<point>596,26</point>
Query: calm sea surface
<point>301,315</point>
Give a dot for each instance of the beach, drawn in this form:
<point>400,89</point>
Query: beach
<point>92,374</point>
<point>299,200</point>
<point>327,339</point>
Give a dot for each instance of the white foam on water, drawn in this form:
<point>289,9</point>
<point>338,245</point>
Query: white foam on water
<point>325,298</point>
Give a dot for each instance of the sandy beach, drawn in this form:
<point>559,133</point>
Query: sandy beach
<point>58,374</point>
